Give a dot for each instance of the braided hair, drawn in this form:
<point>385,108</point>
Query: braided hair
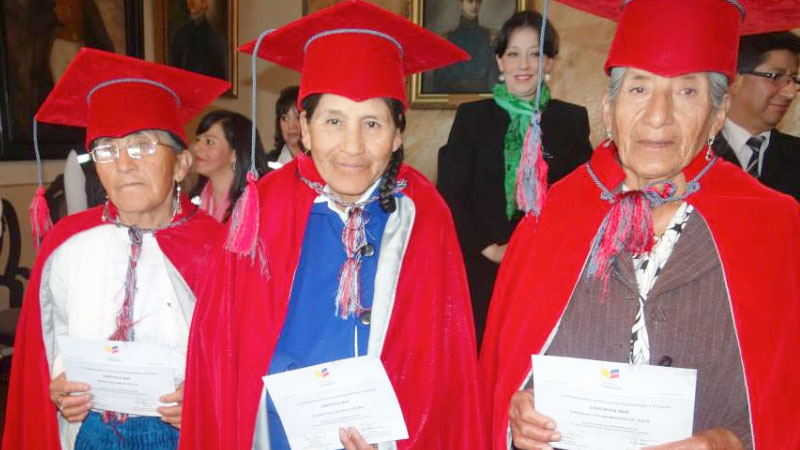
<point>389,177</point>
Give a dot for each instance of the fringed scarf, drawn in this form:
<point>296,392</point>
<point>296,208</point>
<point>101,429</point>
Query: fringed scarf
<point>124,321</point>
<point>348,294</point>
<point>628,225</point>
<point>521,113</point>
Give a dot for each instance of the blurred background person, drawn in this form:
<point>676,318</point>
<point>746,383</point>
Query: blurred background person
<point>477,171</point>
<point>763,91</point>
<point>287,128</point>
<point>222,159</point>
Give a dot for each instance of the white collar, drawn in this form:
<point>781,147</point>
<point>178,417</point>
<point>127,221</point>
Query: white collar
<point>285,156</point>
<point>737,137</point>
<point>335,208</point>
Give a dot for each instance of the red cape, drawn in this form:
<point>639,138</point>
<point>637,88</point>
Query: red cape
<point>429,351</point>
<point>31,418</point>
<point>757,234</point>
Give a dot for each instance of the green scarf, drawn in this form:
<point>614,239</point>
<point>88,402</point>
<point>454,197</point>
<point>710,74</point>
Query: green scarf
<point>520,112</point>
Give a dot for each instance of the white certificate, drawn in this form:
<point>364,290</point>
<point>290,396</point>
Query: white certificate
<point>603,405</point>
<point>314,402</point>
<point>126,377</point>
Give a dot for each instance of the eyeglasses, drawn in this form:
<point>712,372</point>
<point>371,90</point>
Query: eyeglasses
<point>780,79</point>
<point>106,153</point>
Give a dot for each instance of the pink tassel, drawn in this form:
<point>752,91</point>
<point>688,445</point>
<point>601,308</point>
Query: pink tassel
<point>348,298</point>
<point>627,226</point>
<point>348,295</point>
<point>243,232</point>
<point>41,222</point>
<point>532,171</point>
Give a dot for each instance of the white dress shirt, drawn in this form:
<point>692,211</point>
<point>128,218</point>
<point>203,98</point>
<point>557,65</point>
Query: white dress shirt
<point>737,137</point>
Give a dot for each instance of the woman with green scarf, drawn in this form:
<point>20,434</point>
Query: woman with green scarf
<point>478,165</point>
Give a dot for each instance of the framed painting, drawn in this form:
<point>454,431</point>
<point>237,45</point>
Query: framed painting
<point>198,35</point>
<point>39,40</point>
<point>472,25</point>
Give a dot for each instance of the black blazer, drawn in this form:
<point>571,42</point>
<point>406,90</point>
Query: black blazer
<point>781,166</point>
<point>470,174</point>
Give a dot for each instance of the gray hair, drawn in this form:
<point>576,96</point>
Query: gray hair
<point>718,84</point>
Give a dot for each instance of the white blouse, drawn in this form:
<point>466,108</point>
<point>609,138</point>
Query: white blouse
<point>82,290</point>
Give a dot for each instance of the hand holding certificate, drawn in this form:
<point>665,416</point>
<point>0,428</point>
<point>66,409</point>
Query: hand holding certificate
<point>315,402</point>
<point>603,405</point>
<point>126,377</point>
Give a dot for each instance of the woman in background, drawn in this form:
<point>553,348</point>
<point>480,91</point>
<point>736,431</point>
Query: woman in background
<point>287,129</point>
<point>478,165</point>
<point>222,159</point>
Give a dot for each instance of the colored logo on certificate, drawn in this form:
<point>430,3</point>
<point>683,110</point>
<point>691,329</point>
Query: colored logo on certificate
<point>321,373</point>
<point>113,349</point>
<point>610,374</point>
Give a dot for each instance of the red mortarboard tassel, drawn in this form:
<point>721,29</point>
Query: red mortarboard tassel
<point>532,171</point>
<point>243,231</point>
<point>40,217</point>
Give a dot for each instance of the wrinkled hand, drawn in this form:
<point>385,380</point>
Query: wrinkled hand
<point>495,252</point>
<point>74,408</point>
<point>714,439</point>
<point>172,414</point>
<point>529,429</point>
<point>352,440</point>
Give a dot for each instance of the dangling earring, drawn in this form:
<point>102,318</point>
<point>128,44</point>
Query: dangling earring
<point>547,78</point>
<point>176,202</point>
<point>106,214</point>
<point>233,166</point>
<point>502,77</point>
<point>710,150</point>
<point>609,138</point>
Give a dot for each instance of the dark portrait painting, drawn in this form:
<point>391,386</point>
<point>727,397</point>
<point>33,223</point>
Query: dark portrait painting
<point>472,25</point>
<point>198,35</point>
<point>41,37</point>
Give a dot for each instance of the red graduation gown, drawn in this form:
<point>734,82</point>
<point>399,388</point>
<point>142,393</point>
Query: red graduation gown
<point>757,234</point>
<point>31,418</point>
<point>429,350</point>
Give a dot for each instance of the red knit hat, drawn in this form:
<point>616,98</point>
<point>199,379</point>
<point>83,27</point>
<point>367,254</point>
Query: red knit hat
<point>113,95</point>
<point>356,50</point>
<point>676,37</point>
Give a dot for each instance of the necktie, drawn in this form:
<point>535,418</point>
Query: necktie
<point>755,145</point>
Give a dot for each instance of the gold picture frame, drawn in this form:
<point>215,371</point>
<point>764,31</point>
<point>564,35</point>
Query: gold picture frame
<point>428,90</point>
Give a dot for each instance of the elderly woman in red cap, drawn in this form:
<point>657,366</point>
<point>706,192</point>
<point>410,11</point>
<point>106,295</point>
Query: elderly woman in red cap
<point>654,253</point>
<point>119,272</point>
<point>355,256</point>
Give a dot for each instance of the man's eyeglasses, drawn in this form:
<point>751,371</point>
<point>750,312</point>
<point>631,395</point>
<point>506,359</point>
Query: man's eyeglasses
<point>105,153</point>
<point>780,79</point>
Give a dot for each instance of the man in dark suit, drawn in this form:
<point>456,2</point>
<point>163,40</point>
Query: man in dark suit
<point>763,91</point>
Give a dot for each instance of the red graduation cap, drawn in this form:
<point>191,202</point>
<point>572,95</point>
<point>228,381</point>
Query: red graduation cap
<point>675,37</point>
<point>113,95</point>
<point>356,50</point>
